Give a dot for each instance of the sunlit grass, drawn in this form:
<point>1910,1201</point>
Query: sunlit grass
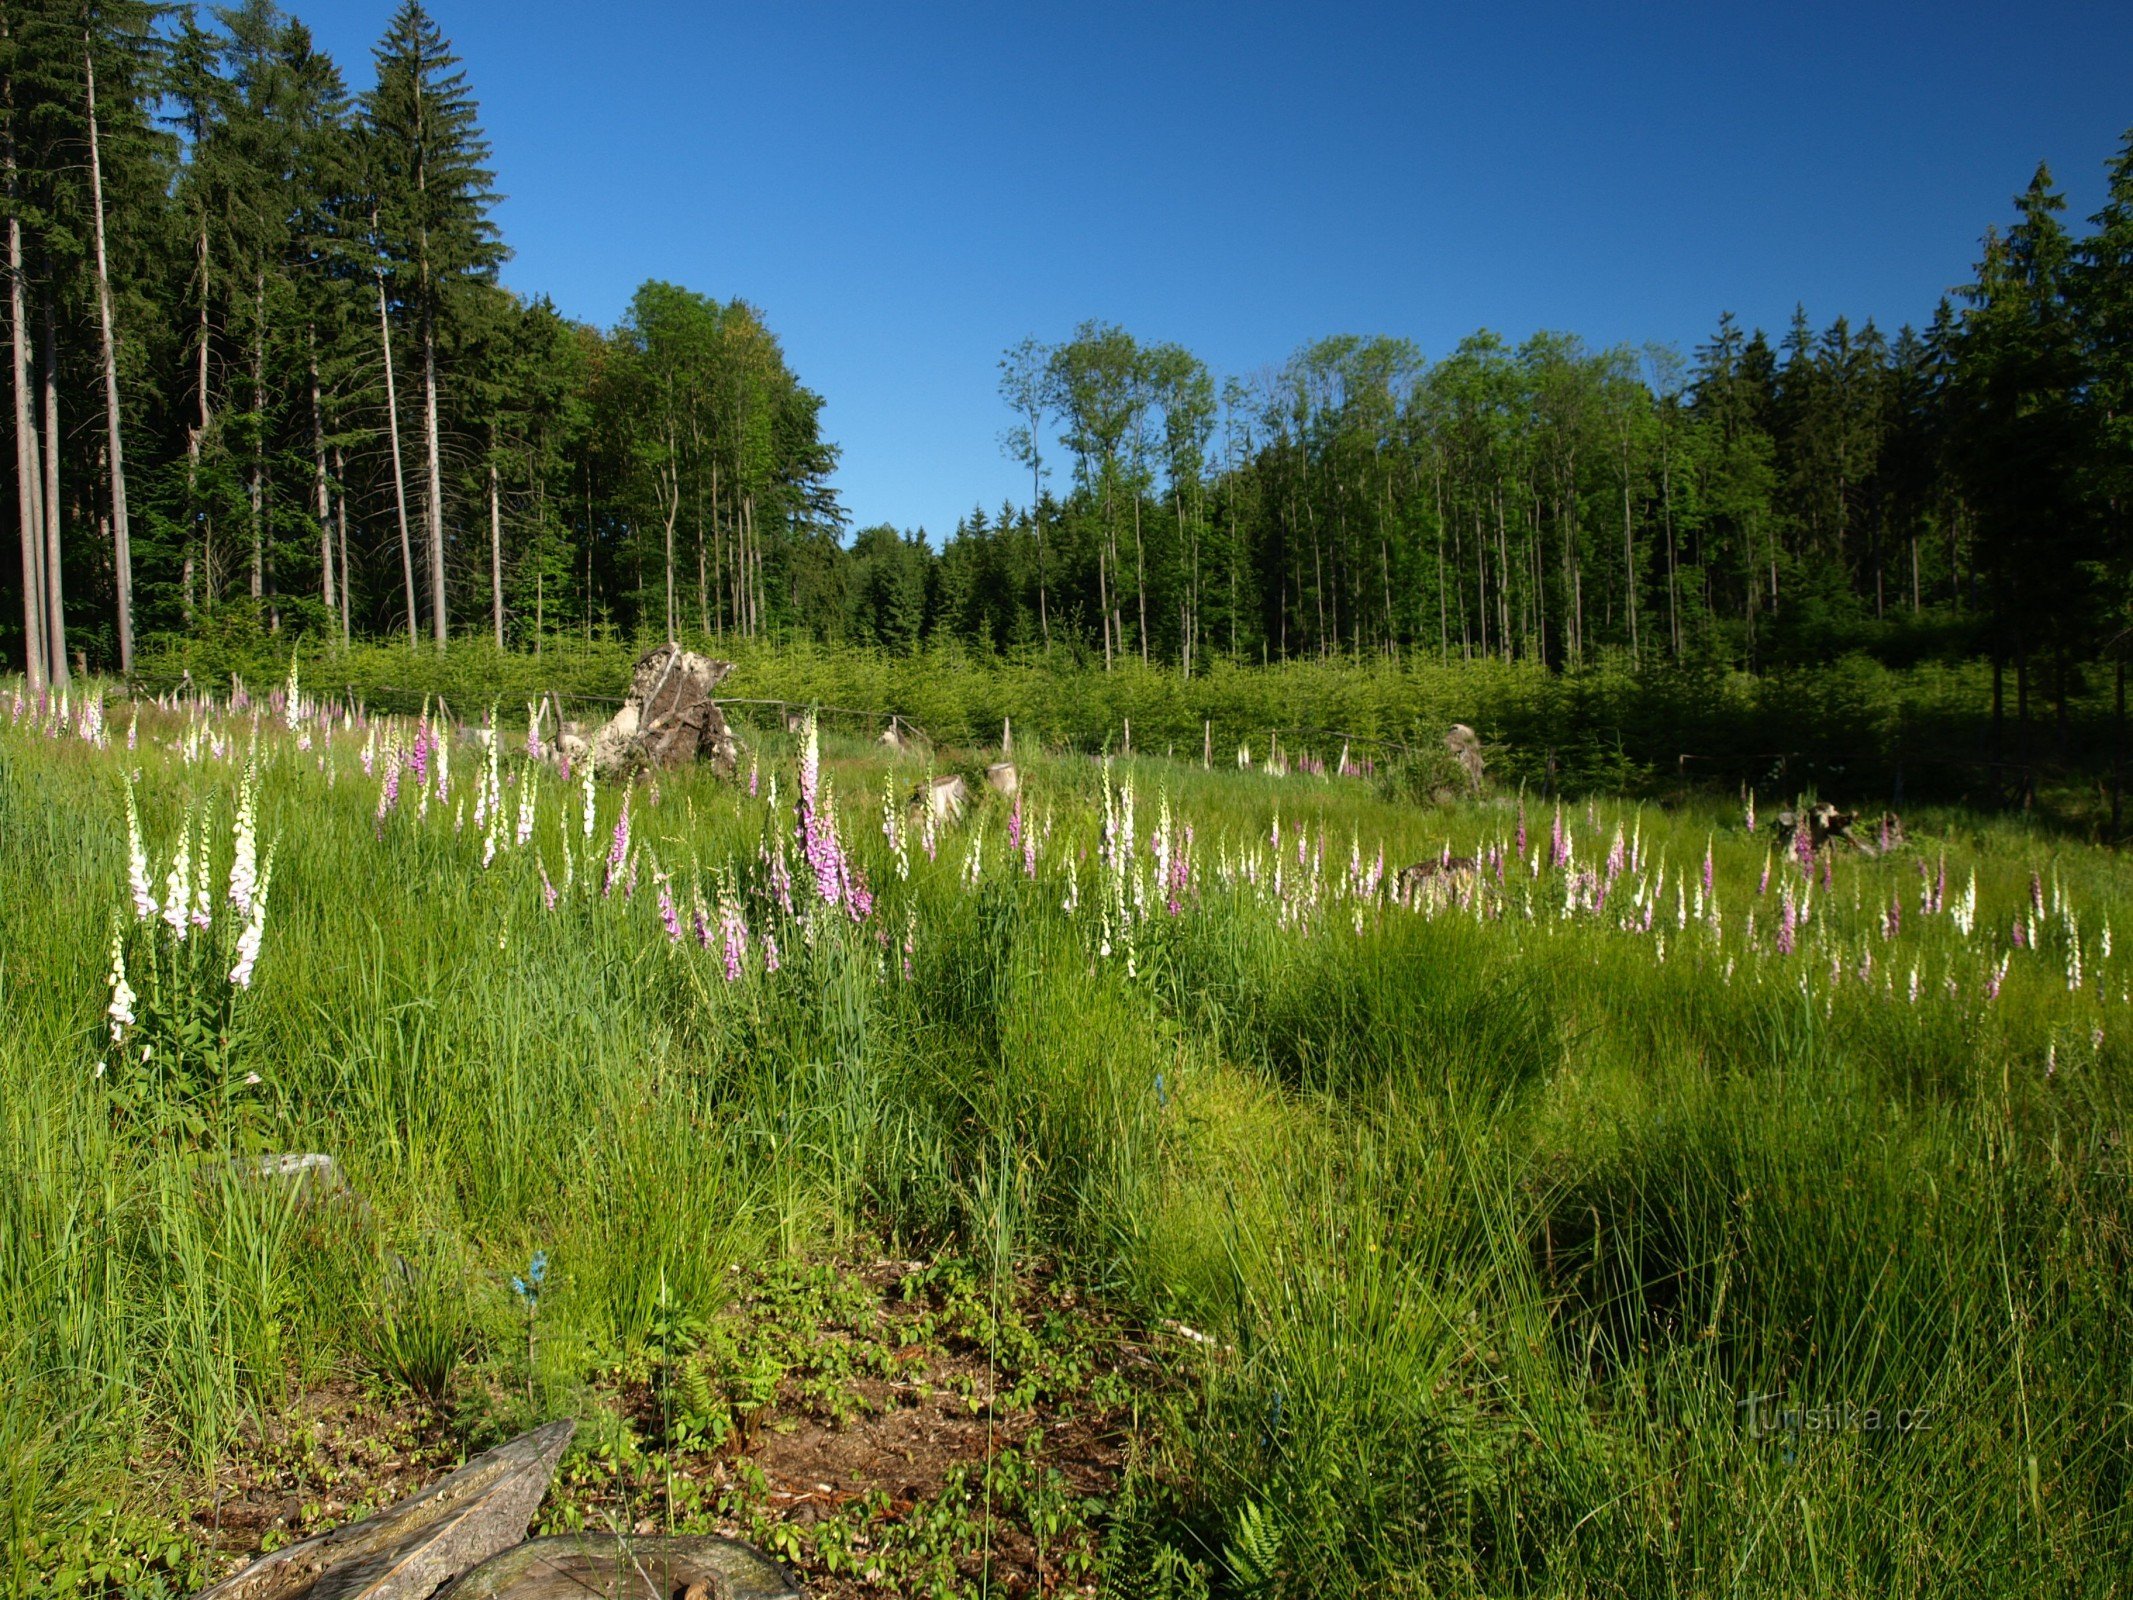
<point>1499,1220</point>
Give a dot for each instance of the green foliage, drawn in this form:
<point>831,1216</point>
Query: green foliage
<point>1488,1231</point>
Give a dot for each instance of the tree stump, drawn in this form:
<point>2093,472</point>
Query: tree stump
<point>592,1567</point>
<point>945,798</point>
<point>411,1550</point>
<point>1465,747</point>
<point>669,719</point>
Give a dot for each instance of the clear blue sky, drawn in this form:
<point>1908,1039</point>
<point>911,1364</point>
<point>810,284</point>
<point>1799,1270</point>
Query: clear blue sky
<point>907,189</point>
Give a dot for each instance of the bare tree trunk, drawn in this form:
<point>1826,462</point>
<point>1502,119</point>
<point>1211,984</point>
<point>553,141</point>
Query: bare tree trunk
<point>256,480</point>
<point>121,532</point>
<point>392,431</point>
<point>29,495</point>
<point>1629,558</point>
<point>193,443</point>
<point>1140,574</point>
<point>319,487</point>
<point>55,623</point>
<point>340,476</point>
<point>434,511</point>
<point>496,548</point>
<point>671,494</point>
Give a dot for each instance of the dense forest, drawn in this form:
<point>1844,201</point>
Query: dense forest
<point>266,380</point>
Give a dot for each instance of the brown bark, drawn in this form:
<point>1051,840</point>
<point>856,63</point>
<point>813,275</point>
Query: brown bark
<point>29,491</point>
<point>55,620</point>
<point>322,495</point>
<point>496,551</point>
<point>121,531</point>
<point>434,509</point>
<point>392,431</point>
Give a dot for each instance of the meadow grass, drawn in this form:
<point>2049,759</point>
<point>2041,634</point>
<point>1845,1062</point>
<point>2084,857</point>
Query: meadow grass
<point>1607,1224</point>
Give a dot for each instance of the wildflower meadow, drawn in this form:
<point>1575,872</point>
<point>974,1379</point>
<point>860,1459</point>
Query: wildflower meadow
<point>1286,1188</point>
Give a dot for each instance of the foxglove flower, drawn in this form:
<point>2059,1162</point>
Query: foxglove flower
<point>120,1010</point>
<point>255,926</point>
<point>144,900</point>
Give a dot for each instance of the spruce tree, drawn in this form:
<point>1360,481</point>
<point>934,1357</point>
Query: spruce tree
<point>434,193</point>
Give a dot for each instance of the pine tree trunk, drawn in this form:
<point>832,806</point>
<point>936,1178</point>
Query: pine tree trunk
<point>2118,743</point>
<point>29,494</point>
<point>496,548</point>
<point>671,494</point>
<point>434,511</point>
<point>1140,575</point>
<point>318,474</point>
<point>392,432</point>
<point>55,621</point>
<point>340,476</point>
<point>193,443</point>
<point>256,478</point>
<point>121,532</point>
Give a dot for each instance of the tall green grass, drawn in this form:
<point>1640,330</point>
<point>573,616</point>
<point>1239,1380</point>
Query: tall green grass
<point>1522,1259</point>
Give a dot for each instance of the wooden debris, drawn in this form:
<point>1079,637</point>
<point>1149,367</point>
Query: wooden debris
<point>410,1550</point>
<point>1827,827</point>
<point>1465,747</point>
<point>669,719</point>
<point>945,798</point>
<point>1433,880</point>
<point>593,1567</point>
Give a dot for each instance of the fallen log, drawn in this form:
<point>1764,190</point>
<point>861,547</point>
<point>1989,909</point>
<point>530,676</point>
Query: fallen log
<point>411,1550</point>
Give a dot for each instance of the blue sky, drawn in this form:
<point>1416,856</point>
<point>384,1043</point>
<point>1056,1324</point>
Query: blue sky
<point>905,190</point>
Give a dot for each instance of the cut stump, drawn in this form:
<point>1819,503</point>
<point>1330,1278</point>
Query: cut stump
<point>590,1567</point>
<point>411,1550</point>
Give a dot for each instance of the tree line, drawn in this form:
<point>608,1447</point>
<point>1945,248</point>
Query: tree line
<point>265,379</point>
<point>1960,489</point>
<point>264,375</point>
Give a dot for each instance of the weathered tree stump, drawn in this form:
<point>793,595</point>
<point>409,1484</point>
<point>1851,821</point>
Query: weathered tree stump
<point>411,1550</point>
<point>1465,747</point>
<point>1434,880</point>
<point>591,1567</point>
<point>1002,779</point>
<point>1827,827</point>
<point>669,719</point>
<point>945,798</point>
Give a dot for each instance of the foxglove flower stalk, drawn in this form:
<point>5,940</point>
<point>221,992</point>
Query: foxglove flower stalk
<point>1997,976</point>
<point>618,848</point>
<point>547,888</point>
<point>892,829</point>
<point>120,1010</point>
<point>668,917</point>
<point>144,900</point>
<point>178,887</point>
<point>389,792</point>
<point>255,926</point>
<point>1892,919</point>
<point>203,895</point>
<point>244,865</point>
<point>590,799</point>
<point>1788,923</point>
<point>816,821</point>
